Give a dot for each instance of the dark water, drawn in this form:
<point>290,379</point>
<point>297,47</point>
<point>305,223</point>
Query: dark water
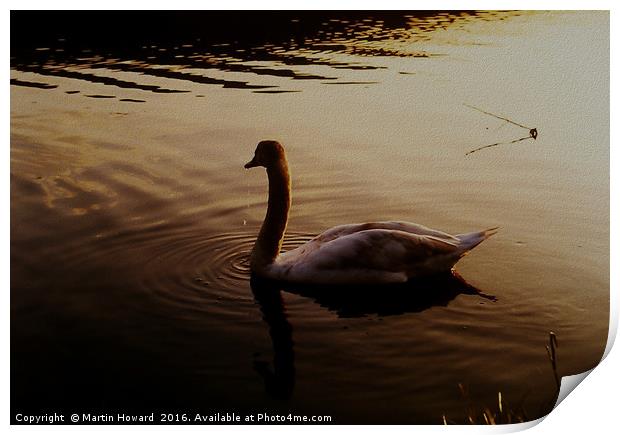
<point>132,219</point>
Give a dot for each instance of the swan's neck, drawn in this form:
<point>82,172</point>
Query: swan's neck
<point>269,241</point>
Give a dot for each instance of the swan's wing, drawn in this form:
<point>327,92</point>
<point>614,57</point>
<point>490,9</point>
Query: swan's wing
<point>301,252</point>
<point>382,249</point>
<point>374,251</point>
<point>408,227</point>
<point>421,230</point>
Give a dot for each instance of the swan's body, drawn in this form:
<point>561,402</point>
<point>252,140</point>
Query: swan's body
<point>373,253</point>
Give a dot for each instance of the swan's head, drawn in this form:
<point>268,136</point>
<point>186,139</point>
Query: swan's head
<point>269,153</point>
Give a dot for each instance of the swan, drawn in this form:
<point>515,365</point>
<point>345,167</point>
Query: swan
<point>364,253</point>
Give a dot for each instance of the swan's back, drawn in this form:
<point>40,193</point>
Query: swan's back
<point>407,227</point>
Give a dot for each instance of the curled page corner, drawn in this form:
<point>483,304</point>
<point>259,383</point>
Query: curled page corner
<point>568,384</point>
<point>519,427</point>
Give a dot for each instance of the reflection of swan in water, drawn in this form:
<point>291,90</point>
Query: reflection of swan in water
<point>375,252</point>
<point>384,300</point>
<point>280,382</point>
<point>413,296</point>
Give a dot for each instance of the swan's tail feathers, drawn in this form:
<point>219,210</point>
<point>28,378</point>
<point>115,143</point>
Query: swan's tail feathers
<point>471,240</point>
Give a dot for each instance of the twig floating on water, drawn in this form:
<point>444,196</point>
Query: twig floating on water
<point>533,131</point>
<point>498,117</point>
<point>496,144</point>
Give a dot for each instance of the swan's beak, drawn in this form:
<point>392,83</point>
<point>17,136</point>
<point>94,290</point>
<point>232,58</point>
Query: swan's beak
<point>251,164</point>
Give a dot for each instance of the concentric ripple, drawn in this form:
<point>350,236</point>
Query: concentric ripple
<point>193,271</point>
